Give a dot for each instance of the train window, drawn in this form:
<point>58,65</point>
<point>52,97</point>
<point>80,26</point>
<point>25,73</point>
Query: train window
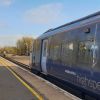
<point>67,53</point>
<point>54,48</point>
<point>56,53</point>
<point>85,54</point>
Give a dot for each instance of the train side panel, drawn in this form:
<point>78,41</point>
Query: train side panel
<point>73,57</point>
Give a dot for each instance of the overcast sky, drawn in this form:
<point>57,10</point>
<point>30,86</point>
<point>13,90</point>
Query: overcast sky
<point>33,17</point>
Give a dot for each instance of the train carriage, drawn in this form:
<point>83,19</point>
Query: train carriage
<point>71,53</point>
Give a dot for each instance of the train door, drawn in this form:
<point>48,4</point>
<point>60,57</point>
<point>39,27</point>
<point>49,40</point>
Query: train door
<point>44,56</point>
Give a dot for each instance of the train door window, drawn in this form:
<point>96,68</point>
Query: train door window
<point>85,54</point>
<point>44,49</point>
<point>67,53</point>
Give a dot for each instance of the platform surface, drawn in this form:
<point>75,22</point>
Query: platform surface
<point>11,88</point>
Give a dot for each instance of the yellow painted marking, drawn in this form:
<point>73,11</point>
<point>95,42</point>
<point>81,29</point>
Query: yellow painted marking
<point>24,83</point>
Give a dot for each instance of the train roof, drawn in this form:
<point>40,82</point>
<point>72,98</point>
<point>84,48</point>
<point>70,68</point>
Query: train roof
<point>71,25</point>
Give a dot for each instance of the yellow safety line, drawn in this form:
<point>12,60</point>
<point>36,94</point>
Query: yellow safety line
<point>7,63</point>
<point>24,83</point>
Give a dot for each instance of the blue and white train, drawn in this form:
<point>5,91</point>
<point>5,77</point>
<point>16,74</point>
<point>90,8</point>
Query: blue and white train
<point>71,53</point>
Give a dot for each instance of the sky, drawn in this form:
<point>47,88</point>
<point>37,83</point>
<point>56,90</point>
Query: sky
<point>31,18</point>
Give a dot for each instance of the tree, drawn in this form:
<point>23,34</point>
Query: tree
<point>8,50</point>
<point>24,46</point>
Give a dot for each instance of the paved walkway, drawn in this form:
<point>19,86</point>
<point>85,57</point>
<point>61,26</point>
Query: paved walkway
<point>11,88</point>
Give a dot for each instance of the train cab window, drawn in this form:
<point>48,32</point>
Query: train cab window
<point>67,53</point>
<point>85,53</point>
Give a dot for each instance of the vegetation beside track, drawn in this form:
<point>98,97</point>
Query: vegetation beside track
<point>23,47</point>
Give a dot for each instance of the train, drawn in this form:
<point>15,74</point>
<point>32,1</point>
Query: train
<point>71,53</point>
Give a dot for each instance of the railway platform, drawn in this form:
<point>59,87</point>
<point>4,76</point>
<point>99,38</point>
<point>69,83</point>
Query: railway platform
<point>10,86</point>
<point>17,83</point>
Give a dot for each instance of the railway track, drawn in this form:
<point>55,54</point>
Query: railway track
<point>68,87</point>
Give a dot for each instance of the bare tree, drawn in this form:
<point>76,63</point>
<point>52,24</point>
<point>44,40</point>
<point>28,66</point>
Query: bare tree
<point>24,46</point>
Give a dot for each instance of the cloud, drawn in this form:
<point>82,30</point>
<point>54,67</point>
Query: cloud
<point>6,2</point>
<point>44,14</point>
